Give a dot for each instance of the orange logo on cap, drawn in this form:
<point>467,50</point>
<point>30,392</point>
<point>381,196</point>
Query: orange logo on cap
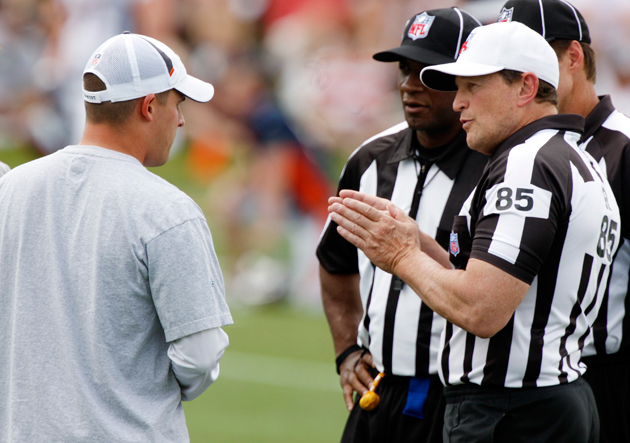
<point>464,47</point>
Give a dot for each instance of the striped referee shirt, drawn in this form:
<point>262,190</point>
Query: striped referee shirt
<point>400,331</point>
<point>607,139</point>
<point>544,213</point>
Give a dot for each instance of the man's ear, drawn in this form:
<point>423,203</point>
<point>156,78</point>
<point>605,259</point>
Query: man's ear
<point>575,56</point>
<point>147,106</point>
<point>528,88</point>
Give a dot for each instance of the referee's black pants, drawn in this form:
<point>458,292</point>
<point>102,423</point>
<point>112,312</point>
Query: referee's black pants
<point>388,424</point>
<point>609,378</point>
<point>565,413</point>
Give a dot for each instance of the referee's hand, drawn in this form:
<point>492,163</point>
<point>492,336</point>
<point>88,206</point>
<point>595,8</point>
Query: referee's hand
<point>355,376</point>
<point>375,225</point>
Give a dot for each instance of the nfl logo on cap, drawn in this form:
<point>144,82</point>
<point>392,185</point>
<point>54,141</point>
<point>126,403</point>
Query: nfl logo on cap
<point>454,244</point>
<point>505,15</point>
<point>96,59</point>
<point>466,43</point>
<point>420,26</point>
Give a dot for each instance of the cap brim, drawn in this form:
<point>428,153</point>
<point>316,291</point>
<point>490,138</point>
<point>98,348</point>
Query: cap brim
<point>196,89</point>
<point>414,53</point>
<point>442,77</point>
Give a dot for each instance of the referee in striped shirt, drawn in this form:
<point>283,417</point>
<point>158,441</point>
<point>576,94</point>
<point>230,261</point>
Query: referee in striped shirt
<point>607,139</point>
<point>425,167</point>
<point>532,247</point>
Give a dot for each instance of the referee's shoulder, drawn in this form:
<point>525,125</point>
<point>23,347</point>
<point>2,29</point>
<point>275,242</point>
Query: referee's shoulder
<point>617,125</point>
<point>380,143</point>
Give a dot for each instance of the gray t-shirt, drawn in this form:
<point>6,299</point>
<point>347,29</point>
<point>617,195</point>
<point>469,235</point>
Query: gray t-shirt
<point>102,263</point>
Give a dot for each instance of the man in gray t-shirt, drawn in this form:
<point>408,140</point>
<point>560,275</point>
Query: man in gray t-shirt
<point>112,296</point>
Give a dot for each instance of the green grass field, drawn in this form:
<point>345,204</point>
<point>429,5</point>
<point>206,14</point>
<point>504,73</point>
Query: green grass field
<point>278,382</point>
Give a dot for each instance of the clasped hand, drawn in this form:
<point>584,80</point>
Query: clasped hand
<point>384,233</point>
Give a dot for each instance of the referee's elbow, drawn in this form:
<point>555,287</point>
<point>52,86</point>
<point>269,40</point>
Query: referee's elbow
<point>483,324</point>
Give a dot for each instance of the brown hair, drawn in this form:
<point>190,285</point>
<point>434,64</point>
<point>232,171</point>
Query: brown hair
<point>562,45</point>
<point>546,92</point>
<point>110,113</point>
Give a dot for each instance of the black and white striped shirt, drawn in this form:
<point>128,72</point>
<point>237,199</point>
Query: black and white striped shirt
<point>544,213</point>
<point>607,139</point>
<point>401,332</point>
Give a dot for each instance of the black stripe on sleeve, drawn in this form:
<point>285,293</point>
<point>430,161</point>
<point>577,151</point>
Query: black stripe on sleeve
<point>390,319</point>
<point>585,173</point>
<point>600,325</point>
<point>547,280</point>
<point>591,306</point>
<point>446,352</point>
<point>587,266</point>
<point>468,356</point>
<point>397,284</point>
<point>496,368</point>
<point>366,318</point>
<point>423,346</point>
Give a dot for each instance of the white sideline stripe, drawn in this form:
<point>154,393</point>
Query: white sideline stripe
<point>279,371</point>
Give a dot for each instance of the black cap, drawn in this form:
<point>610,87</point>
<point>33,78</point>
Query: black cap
<point>553,19</point>
<point>432,37</point>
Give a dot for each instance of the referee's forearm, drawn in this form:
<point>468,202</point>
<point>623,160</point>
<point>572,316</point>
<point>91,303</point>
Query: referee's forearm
<point>480,299</point>
<point>342,305</point>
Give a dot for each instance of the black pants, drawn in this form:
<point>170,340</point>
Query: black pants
<point>556,414</point>
<point>387,423</point>
<point>609,378</point>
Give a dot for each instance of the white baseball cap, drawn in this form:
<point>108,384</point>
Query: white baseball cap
<point>493,48</point>
<point>133,66</point>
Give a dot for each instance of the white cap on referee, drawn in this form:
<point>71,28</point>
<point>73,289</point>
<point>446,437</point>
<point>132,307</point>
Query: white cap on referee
<point>493,48</point>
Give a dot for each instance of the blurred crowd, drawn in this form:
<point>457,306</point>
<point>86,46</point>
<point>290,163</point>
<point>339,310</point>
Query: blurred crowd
<point>297,91</point>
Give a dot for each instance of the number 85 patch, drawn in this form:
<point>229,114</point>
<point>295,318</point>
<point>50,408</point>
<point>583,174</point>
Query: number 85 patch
<point>526,201</point>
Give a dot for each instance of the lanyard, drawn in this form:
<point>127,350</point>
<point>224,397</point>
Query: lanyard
<point>397,283</point>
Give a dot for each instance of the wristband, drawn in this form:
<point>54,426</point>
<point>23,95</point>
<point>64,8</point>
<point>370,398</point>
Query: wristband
<point>341,358</point>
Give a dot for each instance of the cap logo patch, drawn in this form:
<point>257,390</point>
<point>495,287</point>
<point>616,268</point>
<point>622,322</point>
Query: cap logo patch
<point>420,26</point>
<point>467,42</point>
<point>96,59</point>
<point>505,15</point>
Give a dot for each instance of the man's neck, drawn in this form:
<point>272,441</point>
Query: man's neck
<point>438,138</point>
<point>535,112</point>
<point>582,99</point>
<point>116,139</point>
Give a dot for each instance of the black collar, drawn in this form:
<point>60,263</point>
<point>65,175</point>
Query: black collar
<point>566,122</point>
<point>449,162</point>
<point>598,116</point>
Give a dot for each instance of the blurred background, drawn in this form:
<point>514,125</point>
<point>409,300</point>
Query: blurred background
<point>297,91</point>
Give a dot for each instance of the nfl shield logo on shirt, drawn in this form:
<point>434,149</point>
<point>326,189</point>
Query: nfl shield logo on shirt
<point>420,26</point>
<point>454,244</point>
<point>505,15</point>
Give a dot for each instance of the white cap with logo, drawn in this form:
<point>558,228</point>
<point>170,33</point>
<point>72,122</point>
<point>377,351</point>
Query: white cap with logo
<point>133,66</point>
<point>493,48</point>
